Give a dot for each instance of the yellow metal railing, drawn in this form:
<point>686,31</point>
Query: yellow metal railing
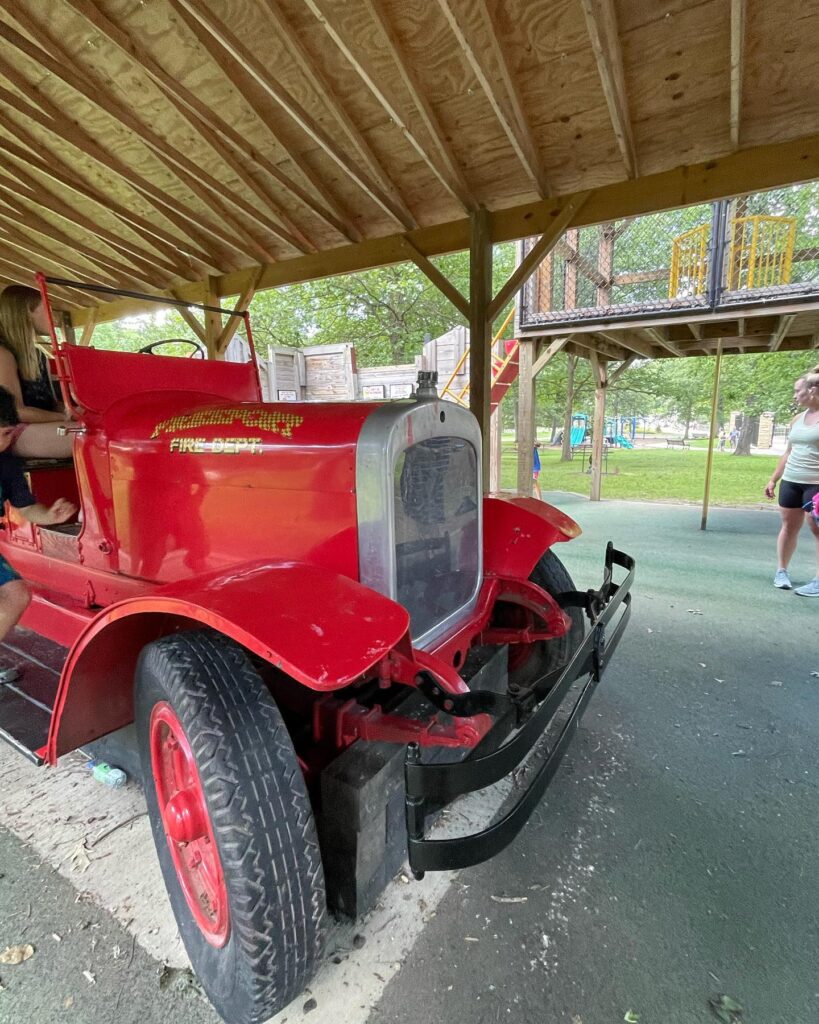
<point>460,396</point>
<point>689,263</point>
<point>761,252</point>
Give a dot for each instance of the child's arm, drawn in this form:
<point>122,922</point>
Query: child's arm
<point>60,512</point>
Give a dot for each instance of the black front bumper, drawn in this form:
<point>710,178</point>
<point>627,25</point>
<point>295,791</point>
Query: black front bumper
<point>431,786</point>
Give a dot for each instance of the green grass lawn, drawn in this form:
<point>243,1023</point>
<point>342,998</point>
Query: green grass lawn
<point>656,474</point>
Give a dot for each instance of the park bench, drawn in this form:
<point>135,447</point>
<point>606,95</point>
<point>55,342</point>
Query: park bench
<point>676,442</point>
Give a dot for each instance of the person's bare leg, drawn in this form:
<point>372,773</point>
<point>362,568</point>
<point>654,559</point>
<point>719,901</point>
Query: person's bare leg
<point>536,488</point>
<point>41,441</point>
<point>14,599</point>
<point>788,535</point>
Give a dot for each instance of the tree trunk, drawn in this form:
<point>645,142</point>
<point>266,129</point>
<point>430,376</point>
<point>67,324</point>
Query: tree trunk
<point>566,451</point>
<point>746,433</point>
<point>687,427</point>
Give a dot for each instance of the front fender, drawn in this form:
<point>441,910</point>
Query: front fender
<point>322,629</point>
<point>517,531</point>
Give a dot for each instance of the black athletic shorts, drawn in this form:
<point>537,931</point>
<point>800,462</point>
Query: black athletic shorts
<point>793,495</point>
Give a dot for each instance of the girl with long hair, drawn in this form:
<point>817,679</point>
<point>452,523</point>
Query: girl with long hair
<point>24,372</point>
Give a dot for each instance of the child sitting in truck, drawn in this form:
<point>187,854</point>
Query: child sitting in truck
<point>14,592</point>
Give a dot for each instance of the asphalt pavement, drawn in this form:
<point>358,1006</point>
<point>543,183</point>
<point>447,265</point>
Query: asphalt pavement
<point>672,861</point>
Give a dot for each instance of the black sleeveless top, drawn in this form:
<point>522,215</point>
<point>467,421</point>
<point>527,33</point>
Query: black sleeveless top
<point>39,392</point>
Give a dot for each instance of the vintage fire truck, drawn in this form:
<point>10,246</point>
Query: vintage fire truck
<point>258,587</point>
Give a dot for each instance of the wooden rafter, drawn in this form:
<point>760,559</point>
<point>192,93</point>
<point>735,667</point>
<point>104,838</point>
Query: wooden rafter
<point>751,170</point>
<point>191,224</point>
<point>16,214</point>
<point>627,340</point>
<point>737,62</point>
<point>456,182</point>
<point>67,261</point>
<point>45,199</point>
<point>210,191</point>
<point>369,79</point>
<point>591,343</point>
<point>253,67</point>
<point>299,54</point>
<point>601,22</point>
<point>658,336</point>
<point>781,331</point>
<point>204,119</point>
<point>520,142</point>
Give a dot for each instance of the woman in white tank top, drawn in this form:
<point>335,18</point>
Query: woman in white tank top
<point>798,469</point>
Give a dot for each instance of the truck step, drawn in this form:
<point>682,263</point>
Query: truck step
<point>26,702</point>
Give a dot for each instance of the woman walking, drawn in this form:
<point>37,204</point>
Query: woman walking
<point>798,469</point>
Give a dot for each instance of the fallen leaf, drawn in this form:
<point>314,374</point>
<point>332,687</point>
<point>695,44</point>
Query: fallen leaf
<point>737,753</point>
<point>89,977</point>
<point>718,680</point>
<point>726,1009</point>
<point>16,954</point>
<point>776,682</point>
<point>56,937</point>
<point>79,858</point>
<point>68,1002</point>
<point>631,1017</point>
<point>815,675</point>
<point>509,899</point>
<point>703,665</point>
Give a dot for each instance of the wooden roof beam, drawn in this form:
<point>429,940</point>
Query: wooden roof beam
<point>617,373</point>
<point>659,337</point>
<point>369,79</point>
<point>210,191</point>
<point>601,21</point>
<point>190,224</point>
<point>299,54</point>
<point>151,268</point>
<point>752,170</point>
<point>242,55</point>
<point>781,331</point>
<point>212,128</point>
<point>54,170</point>
<point>595,345</point>
<point>628,340</point>
<point>519,138</point>
<point>737,62</point>
<point>20,215</point>
<point>456,182</point>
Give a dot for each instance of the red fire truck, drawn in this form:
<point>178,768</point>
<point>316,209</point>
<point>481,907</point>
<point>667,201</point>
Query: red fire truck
<point>260,586</point>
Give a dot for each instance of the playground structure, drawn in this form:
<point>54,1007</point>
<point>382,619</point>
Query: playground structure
<point>698,260</point>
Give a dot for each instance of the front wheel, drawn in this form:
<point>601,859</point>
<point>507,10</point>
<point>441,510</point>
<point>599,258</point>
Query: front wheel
<point>232,824</point>
<point>528,662</point>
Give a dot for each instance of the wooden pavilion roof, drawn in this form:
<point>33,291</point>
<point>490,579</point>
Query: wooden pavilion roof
<point>162,144</point>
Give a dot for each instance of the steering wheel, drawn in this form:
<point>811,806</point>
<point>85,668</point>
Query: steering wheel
<point>198,351</point>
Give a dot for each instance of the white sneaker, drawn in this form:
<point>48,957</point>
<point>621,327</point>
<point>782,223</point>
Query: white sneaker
<point>809,590</point>
<point>783,580</point>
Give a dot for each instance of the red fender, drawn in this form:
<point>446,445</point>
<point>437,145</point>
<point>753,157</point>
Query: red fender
<point>517,531</point>
<point>323,629</point>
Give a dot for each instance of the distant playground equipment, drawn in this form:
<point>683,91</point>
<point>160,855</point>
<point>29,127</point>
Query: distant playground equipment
<point>617,428</point>
<point>580,427</point>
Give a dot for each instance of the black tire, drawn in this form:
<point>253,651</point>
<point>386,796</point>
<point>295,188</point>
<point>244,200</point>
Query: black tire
<point>549,655</point>
<point>260,817</point>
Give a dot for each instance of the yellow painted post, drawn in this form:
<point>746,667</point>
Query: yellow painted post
<point>709,462</point>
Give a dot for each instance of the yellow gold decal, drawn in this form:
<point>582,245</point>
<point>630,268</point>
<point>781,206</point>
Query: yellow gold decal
<point>274,422</point>
<point>216,445</point>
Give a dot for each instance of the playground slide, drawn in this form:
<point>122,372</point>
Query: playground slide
<point>577,435</point>
<point>622,441</point>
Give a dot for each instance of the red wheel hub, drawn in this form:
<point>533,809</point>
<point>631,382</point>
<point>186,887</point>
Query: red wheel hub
<point>187,826</point>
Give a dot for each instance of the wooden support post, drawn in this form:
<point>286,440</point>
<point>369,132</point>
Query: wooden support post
<point>570,291</point>
<point>526,416</point>
<point>68,329</point>
<point>598,426</point>
<point>88,329</point>
<point>709,462</point>
<point>480,327</point>
<point>495,449</point>
<point>213,321</point>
